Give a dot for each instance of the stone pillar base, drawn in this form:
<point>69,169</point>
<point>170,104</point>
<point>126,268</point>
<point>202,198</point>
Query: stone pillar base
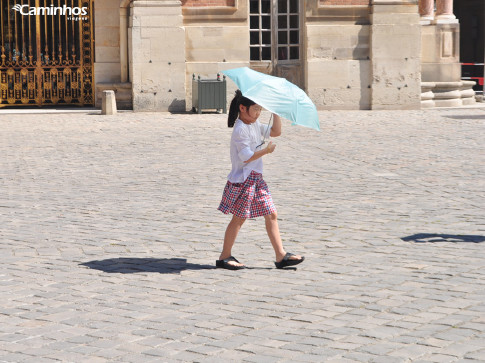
<point>447,94</point>
<point>122,91</point>
<point>445,19</point>
<point>108,103</point>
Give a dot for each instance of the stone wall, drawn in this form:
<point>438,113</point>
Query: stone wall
<point>107,68</point>
<point>356,54</point>
<point>215,39</point>
<point>337,56</point>
<point>363,57</point>
<point>107,45</point>
<point>157,55</point>
<point>396,55</point>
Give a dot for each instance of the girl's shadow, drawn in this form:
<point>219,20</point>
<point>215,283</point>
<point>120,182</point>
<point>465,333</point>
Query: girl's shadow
<point>134,265</point>
<point>435,237</point>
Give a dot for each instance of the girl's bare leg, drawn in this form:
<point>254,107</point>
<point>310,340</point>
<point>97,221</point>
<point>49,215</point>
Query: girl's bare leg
<point>232,231</point>
<point>272,228</point>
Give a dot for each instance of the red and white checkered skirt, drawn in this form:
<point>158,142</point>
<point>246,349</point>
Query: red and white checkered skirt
<point>250,199</point>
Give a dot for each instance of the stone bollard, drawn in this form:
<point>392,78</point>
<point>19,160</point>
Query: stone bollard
<point>108,104</point>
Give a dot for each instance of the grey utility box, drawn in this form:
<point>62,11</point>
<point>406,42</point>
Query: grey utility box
<point>208,94</point>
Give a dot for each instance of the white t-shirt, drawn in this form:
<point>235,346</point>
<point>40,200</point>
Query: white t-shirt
<point>244,141</point>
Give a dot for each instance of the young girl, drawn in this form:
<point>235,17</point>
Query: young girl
<point>246,194</point>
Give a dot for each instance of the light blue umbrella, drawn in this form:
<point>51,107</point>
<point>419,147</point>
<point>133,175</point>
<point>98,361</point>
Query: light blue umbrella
<point>276,95</point>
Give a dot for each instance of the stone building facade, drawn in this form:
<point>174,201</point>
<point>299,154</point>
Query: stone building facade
<point>346,54</point>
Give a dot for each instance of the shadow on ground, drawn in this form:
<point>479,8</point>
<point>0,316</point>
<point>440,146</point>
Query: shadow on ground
<point>434,238</point>
<point>134,265</point>
<point>466,117</point>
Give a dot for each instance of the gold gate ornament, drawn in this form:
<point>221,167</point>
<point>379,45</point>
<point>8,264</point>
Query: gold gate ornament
<point>46,52</point>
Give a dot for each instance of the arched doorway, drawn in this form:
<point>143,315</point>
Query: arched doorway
<point>46,52</point>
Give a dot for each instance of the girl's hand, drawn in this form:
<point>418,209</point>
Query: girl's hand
<point>276,128</point>
<point>270,148</point>
<point>260,153</point>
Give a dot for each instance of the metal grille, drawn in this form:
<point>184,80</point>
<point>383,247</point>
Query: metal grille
<point>46,52</point>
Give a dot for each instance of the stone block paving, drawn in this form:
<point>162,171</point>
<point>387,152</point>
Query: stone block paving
<point>109,233</point>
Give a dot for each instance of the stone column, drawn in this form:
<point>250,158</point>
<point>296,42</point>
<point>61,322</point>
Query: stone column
<point>157,55</point>
<point>444,12</point>
<point>426,10</point>
<point>124,43</point>
<point>395,55</point>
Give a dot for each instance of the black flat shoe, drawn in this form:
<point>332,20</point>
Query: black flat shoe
<point>225,264</point>
<point>287,262</point>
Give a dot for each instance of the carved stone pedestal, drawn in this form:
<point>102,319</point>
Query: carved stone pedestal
<point>441,69</point>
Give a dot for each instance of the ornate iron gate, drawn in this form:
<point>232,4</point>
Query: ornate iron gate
<point>46,52</point>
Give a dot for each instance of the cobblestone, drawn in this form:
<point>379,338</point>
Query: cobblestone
<point>109,234</point>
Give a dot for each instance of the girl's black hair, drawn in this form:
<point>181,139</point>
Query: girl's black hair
<point>238,99</point>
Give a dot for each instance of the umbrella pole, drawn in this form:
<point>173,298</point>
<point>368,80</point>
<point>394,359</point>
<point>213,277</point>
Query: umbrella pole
<point>266,132</point>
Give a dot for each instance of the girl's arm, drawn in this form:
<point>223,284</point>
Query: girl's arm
<point>276,129</point>
<point>260,153</point>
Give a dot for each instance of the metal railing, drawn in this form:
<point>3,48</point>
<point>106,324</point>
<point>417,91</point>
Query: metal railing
<point>474,72</point>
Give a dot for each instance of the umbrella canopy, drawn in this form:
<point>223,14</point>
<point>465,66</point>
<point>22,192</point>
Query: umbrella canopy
<point>276,95</point>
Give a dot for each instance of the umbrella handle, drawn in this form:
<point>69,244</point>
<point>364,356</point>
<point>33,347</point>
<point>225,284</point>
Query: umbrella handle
<point>266,132</point>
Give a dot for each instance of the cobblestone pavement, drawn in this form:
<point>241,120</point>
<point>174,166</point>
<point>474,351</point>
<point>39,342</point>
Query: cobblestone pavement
<point>109,233</point>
